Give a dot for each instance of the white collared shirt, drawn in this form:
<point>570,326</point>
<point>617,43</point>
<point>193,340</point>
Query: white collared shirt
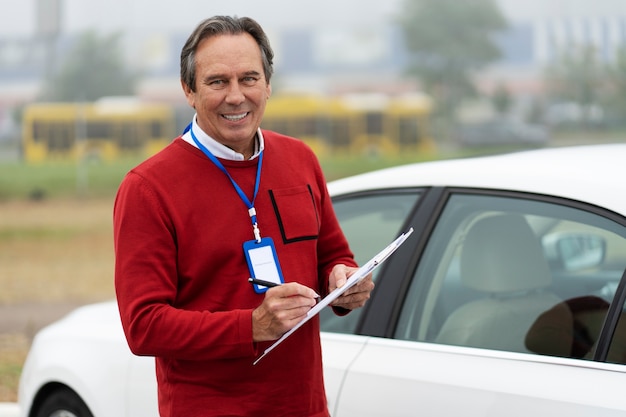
<point>219,150</point>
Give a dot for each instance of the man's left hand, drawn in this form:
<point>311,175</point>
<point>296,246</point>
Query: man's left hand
<point>356,296</point>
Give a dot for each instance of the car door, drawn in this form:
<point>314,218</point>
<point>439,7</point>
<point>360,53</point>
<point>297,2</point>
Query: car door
<point>370,221</point>
<point>513,307</point>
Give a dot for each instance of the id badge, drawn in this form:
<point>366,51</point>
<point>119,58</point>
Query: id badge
<point>263,262</point>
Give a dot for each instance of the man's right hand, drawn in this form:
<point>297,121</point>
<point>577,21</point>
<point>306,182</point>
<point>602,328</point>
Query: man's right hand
<point>283,307</point>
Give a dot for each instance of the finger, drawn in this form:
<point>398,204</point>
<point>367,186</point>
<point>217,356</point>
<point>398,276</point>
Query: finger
<point>356,296</point>
<point>291,296</point>
<point>366,285</point>
<point>352,301</point>
<point>339,276</point>
<point>292,289</point>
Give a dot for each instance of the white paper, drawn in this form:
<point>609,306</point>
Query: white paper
<point>357,276</point>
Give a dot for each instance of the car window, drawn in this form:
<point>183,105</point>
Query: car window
<point>515,275</point>
<point>369,222</point>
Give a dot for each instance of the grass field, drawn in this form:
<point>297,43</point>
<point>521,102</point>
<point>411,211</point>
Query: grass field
<point>91,179</point>
<point>55,250</point>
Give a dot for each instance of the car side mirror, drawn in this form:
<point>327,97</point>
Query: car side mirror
<point>574,251</point>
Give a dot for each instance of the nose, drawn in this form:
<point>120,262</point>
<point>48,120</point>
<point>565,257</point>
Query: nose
<point>235,95</point>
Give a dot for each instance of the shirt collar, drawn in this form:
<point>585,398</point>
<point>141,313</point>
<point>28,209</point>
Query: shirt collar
<point>218,149</point>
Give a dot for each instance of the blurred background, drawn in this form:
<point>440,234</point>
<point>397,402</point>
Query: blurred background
<point>88,88</point>
<point>468,73</point>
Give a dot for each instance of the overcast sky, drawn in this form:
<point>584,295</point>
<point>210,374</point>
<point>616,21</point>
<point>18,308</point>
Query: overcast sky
<point>17,16</point>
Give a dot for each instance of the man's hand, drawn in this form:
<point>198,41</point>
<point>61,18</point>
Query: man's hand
<point>283,307</point>
<point>356,296</point>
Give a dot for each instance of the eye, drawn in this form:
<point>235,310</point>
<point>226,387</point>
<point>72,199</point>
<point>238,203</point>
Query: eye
<point>249,80</point>
<point>216,83</point>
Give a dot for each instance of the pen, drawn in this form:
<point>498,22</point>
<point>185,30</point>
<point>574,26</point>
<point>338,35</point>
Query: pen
<point>270,284</point>
<point>267,284</point>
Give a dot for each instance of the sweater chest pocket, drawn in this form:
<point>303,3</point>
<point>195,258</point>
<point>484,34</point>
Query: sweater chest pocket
<point>296,213</point>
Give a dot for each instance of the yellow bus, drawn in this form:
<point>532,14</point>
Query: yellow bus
<point>350,124</point>
<point>300,116</point>
<point>408,123</point>
<point>103,130</point>
<point>357,124</point>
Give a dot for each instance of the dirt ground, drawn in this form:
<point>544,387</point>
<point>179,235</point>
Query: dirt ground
<point>27,318</point>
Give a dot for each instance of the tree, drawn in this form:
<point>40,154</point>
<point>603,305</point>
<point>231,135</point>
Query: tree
<point>501,99</point>
<point>577,77</point>
<point>615,99</point>
<point>448,40</point>
<point>93,68</point>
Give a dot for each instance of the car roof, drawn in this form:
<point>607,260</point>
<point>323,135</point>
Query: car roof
<point>591,173</point>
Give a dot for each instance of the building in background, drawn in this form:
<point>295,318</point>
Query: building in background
<point>334,55</point>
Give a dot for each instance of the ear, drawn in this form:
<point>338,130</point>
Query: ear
<point>268,91</point>
<point>190,95</point>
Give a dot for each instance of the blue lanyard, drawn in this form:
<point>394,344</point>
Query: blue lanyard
<point>242,195</point>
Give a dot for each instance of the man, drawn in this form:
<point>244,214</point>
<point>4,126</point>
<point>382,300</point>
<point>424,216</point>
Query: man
<point>188,223</point>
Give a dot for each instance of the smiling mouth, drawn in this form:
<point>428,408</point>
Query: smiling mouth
<point>234,117</point>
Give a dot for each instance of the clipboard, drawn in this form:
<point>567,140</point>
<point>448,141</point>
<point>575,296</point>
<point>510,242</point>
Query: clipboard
<point>354,279</point>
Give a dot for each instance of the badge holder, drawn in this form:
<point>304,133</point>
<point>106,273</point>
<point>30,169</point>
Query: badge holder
<point>263,262</point>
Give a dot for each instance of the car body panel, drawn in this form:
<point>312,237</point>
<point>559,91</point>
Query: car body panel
<point>339,351</point>
<point>141,396</point>
<point>474,384</point>
<point>86,350</point>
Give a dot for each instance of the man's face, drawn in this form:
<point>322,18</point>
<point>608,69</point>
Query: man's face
<point>231,89</point>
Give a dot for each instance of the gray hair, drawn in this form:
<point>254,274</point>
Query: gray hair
<point>223,25</point>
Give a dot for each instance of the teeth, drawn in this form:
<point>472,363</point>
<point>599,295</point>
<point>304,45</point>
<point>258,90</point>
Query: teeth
<point>235,117</point>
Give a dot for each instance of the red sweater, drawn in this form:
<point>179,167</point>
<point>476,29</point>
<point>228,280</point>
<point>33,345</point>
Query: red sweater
<point>181,277</point>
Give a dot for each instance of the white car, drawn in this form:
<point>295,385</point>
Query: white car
<point>507,300</point>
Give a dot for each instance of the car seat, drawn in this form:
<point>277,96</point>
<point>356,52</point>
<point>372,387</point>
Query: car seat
<point>502,258</point>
